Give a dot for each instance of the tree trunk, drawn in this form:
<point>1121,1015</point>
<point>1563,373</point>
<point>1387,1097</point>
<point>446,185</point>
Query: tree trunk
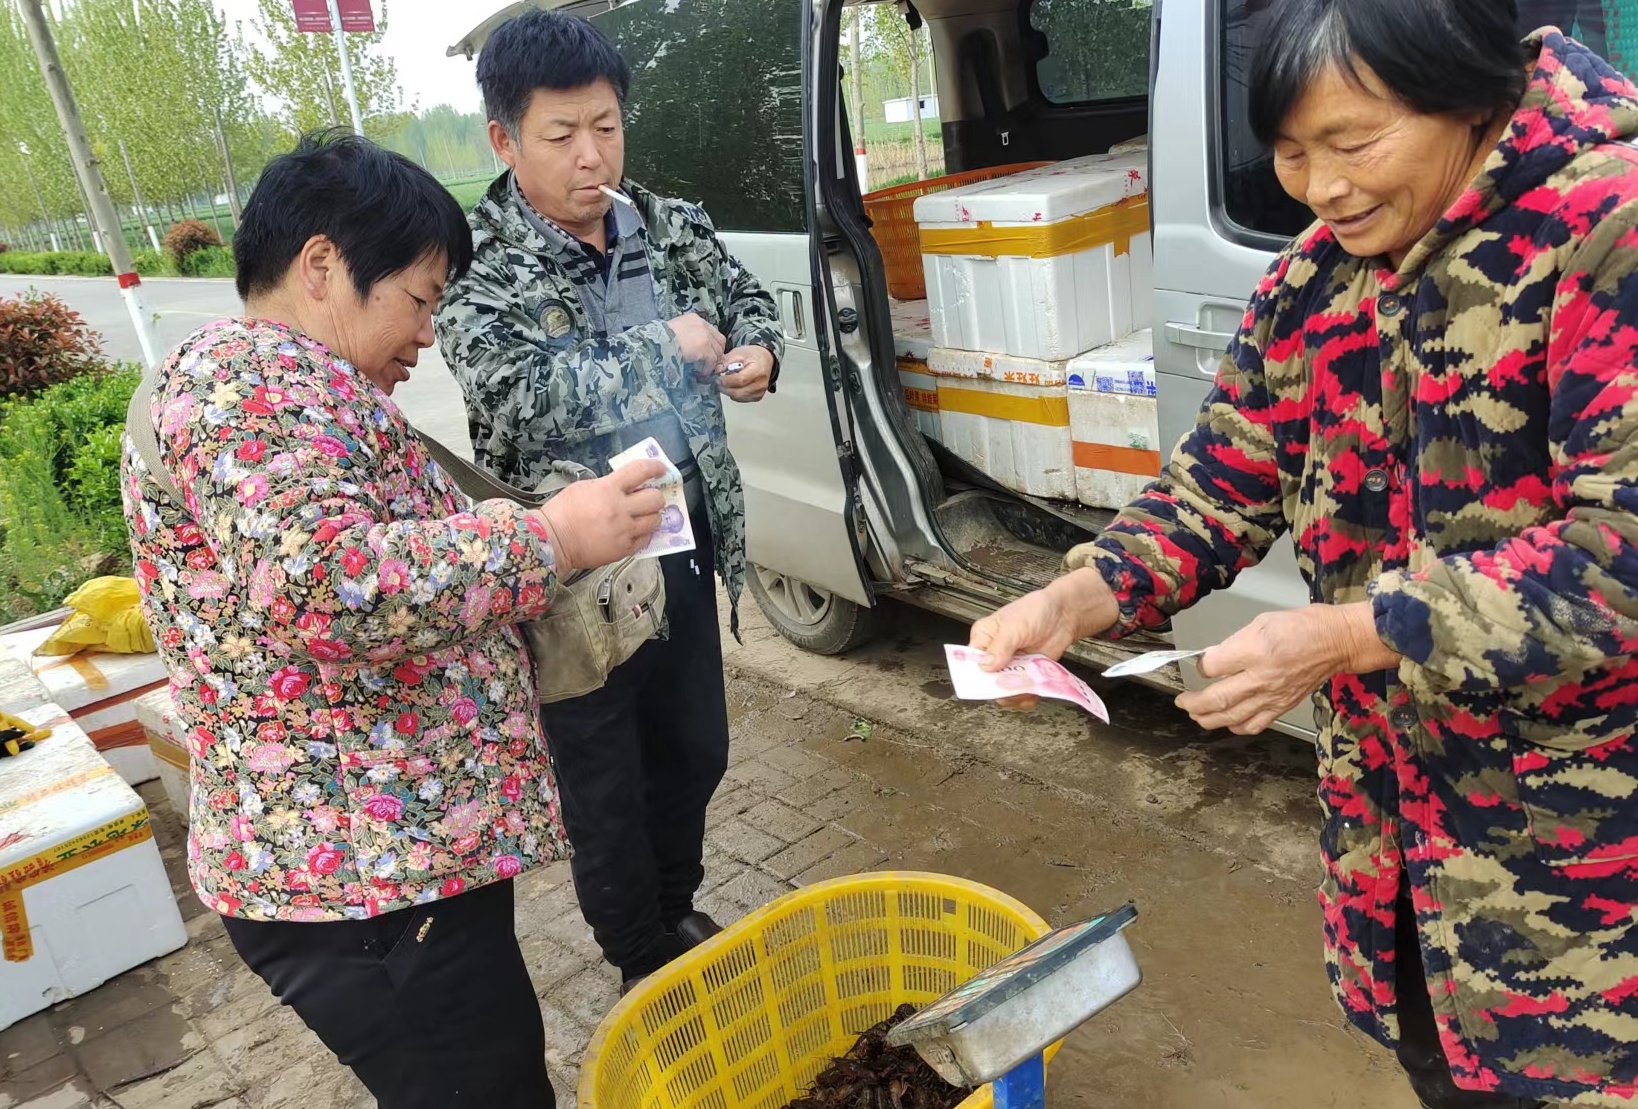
<point>854,60</point>
<point>915,105</point>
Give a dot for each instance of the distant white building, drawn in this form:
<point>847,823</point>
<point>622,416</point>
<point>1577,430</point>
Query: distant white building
<point>898,109</point>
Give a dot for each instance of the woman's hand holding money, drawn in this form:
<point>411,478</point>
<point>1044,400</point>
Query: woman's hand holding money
<point>1277,661</point>
<point>596,522</point>
<point>1046,622</point>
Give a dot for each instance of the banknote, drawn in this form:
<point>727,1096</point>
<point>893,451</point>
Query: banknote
<point>675,533</point>
<point>1024,676</point>
<point>1149,663</point>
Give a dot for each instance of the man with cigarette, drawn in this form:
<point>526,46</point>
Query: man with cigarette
<point>597,315</point>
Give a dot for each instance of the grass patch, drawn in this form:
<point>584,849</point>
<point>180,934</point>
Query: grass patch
<point>468,193</point>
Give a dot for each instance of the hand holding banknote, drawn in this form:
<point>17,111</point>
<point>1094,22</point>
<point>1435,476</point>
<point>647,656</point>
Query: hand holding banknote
<point>1045,623</point>
<point>594,523</point>
<point>1033,676</point>
<point>675,533</point>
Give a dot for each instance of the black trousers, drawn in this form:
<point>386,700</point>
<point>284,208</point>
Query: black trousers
<point>1420,1052</point>
<point>430,1006</point>
<point>637,762</point>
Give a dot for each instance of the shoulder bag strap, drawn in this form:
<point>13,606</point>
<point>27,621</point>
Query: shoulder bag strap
<point>139,425</point>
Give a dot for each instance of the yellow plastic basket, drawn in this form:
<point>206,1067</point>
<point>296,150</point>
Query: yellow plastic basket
<point>749,1019</point>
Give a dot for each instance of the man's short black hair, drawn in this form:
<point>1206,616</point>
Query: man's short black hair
<point>1439,57</point>
<point>383,212</point>
<point>540,49</point>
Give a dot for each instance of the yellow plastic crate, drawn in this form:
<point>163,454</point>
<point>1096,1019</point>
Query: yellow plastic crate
<point>749,1019</point>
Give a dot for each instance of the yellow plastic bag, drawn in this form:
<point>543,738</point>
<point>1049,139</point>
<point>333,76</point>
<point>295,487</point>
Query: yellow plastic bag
<point>107,617</point>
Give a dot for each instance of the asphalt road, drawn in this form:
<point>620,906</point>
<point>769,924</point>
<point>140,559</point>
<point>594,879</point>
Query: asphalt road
<point>181,306</point>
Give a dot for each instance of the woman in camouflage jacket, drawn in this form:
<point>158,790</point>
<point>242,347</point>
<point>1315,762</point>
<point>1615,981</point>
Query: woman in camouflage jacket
<point>1435,391</point>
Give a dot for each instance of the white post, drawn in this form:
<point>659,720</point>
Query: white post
<point>136,191</point>
<point>346,68</point>
<point>103,211</point>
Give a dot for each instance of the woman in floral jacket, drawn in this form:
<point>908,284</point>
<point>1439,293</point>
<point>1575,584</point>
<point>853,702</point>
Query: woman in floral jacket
<point>368,767</point>
<point>1435,392</point>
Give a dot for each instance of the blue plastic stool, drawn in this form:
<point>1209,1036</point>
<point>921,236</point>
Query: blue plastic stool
<point>1023,1087</point>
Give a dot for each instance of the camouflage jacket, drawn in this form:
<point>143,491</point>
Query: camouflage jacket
<point>1457,442</point>
<point>541,384</point>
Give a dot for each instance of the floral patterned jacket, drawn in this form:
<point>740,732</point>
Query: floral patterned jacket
<point>338,622</point>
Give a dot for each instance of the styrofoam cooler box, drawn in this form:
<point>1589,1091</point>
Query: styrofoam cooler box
<point>1126,366</point>
<point>1008,416</point>
<point>83,892</point>
<point>912,339</point>
<point>156,712</point>
<point>1047,263</point>
<point>1114,420</point>
<point>100,691</point>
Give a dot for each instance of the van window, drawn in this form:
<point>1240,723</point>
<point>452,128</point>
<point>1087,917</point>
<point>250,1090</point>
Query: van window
<point>1251,197</point>
<point>1095,49</point>
<point>715,110</point>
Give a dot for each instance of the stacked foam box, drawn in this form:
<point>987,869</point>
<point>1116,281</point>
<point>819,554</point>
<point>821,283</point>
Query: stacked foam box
<point>912,339</point>
<point>1114,421</point>
<point>1024,273</point>
<point>83,892</point>
<point>156,712</point>
<point>1009,416</point>
<point>100,691</point>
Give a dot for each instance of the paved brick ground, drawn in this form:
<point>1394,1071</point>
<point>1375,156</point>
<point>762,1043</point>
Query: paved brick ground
<point>1233,1011</point>
<point>196,1030</point>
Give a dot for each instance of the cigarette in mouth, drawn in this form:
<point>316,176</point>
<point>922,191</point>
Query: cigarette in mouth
<point>616,195</point>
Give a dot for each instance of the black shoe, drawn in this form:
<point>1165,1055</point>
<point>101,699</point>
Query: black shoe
<point>629,984</point>
<point>695,928</point>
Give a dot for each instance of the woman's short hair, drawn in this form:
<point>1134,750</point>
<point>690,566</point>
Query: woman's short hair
<point>383,212</point>
<point>1436,56</point>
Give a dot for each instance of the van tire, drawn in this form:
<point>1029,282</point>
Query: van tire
<point>812,618</point>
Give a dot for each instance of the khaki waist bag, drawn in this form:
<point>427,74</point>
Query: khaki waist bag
<point>599,618</point>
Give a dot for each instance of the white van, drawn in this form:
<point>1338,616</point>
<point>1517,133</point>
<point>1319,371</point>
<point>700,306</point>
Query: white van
<point>739,104</point>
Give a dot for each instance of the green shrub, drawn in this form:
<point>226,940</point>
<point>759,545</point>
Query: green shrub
<point>187,238</point>
<point>213,261</point>
<point>60,515</point>
<point>42,341</point>
<point>85,262</point>
<point>151,263</point>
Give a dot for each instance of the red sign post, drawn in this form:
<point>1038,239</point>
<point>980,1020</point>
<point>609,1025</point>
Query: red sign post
<point>320,16</point>
<point>314,15</point>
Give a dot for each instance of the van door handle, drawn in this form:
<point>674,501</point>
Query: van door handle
<point>790,313</point>
<point>1186,335</point>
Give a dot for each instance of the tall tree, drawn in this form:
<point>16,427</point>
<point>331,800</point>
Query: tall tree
<point>449,143</point>
<point>33,153</point>
<point>155,74</point>
<point>893,46</point>
<point>302,71</point>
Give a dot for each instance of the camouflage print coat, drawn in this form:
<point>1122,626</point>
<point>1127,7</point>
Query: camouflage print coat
<point>1457,442</point>
<point>542,384</point>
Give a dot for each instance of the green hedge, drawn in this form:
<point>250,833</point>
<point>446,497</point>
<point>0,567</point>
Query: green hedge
<point>84,262</point>
<point>61,521</point>
<point>216,261</point>
<point>212,261</point>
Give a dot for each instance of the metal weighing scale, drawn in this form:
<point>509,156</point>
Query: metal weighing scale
<point>996,1026</point>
